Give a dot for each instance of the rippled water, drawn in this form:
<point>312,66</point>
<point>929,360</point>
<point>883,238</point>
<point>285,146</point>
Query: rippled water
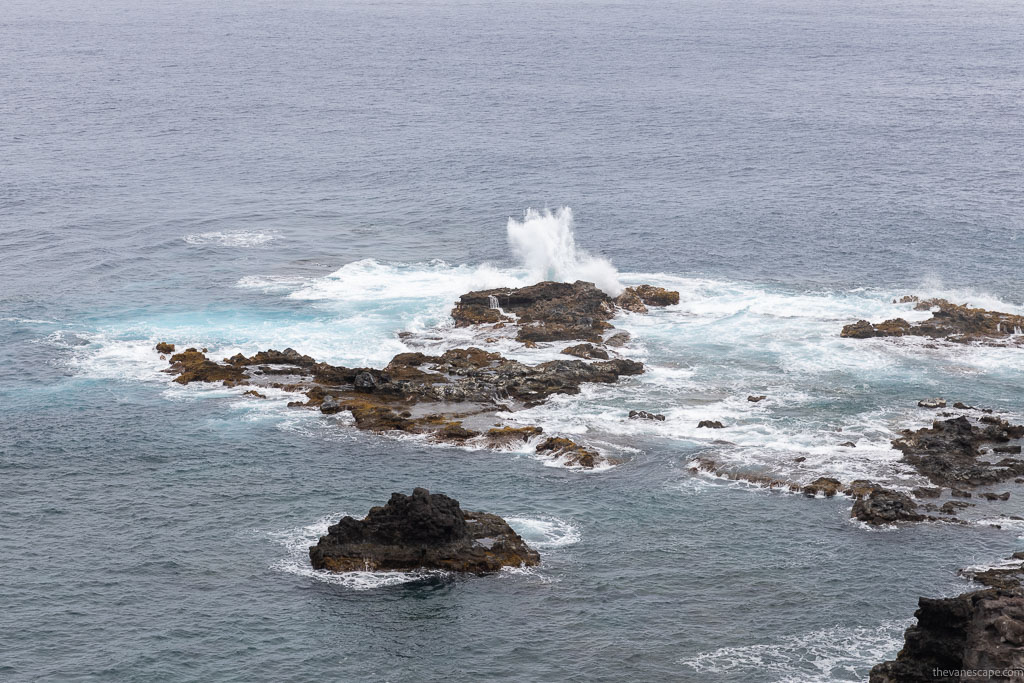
<point>322,176</point>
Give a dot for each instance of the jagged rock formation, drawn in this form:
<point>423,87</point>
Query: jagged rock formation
<point>979,631</point>
<point>949,452</point>
<point>949,321</point>
<point>453,397</point>
<point>422,531</point>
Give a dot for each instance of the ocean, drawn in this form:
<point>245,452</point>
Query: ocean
<point>320,175</point>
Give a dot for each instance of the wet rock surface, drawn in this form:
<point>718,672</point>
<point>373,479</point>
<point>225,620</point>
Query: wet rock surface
<point>950,454</point>
<point>949,321</point>
<point>644,415</point>
<point>449,397</point>
<point>422,531</point>
<point>978,631</point>
<point>884,506</point>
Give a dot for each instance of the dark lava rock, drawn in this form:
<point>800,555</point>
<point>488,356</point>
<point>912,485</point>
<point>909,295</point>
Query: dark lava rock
<point>586,351</point>
<point>637,298</point>
<point>951,507</point>
<point>948,452</point>
<point>574,454</point>
<point>960,493</point>
<point>554,311</point>
<point>953,322</point>
<point>546,311</point>
<point>756,399</point>
<point>884,506</point>
<point>860,488</point>
<point>710,424</point>
<point>618,339</point>
<point>254,394</point>
<point>927,492</point>
<point>644,415</point>
<point>983,630</point>
<point>987,495</point>
<point>422,531</point>
<point>505,437</point>
<point>1008,575</point>
<point>848,444</point>
<point>824,485</point>
<point>164,347</point>
<point>192,365</point>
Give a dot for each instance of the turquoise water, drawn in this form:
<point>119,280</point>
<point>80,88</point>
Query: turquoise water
<point>323,176</point>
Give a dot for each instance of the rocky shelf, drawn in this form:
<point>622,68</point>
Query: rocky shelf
<point>951,322</point>
<point>454,397</point>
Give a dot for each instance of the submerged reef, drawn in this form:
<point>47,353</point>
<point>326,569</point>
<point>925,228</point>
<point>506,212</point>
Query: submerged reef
<point>422,531</point>
<point>454,397</point>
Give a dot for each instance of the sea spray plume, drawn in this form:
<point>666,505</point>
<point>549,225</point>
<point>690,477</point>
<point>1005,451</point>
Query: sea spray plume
<point>545,244</point>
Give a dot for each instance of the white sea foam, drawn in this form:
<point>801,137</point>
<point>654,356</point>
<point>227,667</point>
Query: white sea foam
<point>545,244</point>
<point>839,653</point>
<point>545,532</point>
<point>232,238</point>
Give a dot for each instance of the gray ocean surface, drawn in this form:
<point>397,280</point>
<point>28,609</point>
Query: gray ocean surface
<point>322,175</point>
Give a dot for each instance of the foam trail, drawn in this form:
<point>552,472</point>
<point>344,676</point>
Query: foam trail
<point>545,244</point>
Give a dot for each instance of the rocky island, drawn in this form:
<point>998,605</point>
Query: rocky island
<point>422,531</point>
<point>951,322</point>
<point>454,397</point>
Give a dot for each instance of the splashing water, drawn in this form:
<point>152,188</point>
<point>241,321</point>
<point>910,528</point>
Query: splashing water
<point>545,244</point>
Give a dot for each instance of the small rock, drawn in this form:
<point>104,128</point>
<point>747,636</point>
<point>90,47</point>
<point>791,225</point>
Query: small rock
<point>644,415</point>
<point>710,424</point>
<point>755,399</point>
<point>960,493</point>
<point>848,444</point>
<point>164,347</point>
<point>254,394</point>
<point>932,403</point>
<point>927,492</point>
<point>995,496</point>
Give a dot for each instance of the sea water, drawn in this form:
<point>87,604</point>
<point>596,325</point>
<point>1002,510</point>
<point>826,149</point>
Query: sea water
<point>322,176</point>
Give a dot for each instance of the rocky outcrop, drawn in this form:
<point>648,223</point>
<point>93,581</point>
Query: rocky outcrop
<point>644,415</point>
<point>637,299</point>
<point>1008,575</point>
<point>555,311</point>
<point>588,351</point>
<point>710,424</point>
<point>981,631</point>
<point>164,347</point>
<point>421,531</point>
<point>449,397</point>
<point>883,506</point>
<point>573,454</point>
<point>192,365</point>
<point>949,321</point>
<point>949,452</point>
<point>547,311</point>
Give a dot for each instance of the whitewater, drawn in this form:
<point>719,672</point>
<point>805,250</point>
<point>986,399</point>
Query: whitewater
<point>331,177</point>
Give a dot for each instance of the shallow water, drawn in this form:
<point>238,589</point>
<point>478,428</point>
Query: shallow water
<point>250,175</point>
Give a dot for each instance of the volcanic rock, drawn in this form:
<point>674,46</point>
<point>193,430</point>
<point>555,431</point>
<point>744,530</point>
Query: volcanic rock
<point>884,506</point>
<point>164,347</point>
<point>953,322</point>
<point>421,531</point>
<point>948,452</point>
<point>644,415</point>
<point>587,351</point>
<point>710,424</point>
<point>983,630</point>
